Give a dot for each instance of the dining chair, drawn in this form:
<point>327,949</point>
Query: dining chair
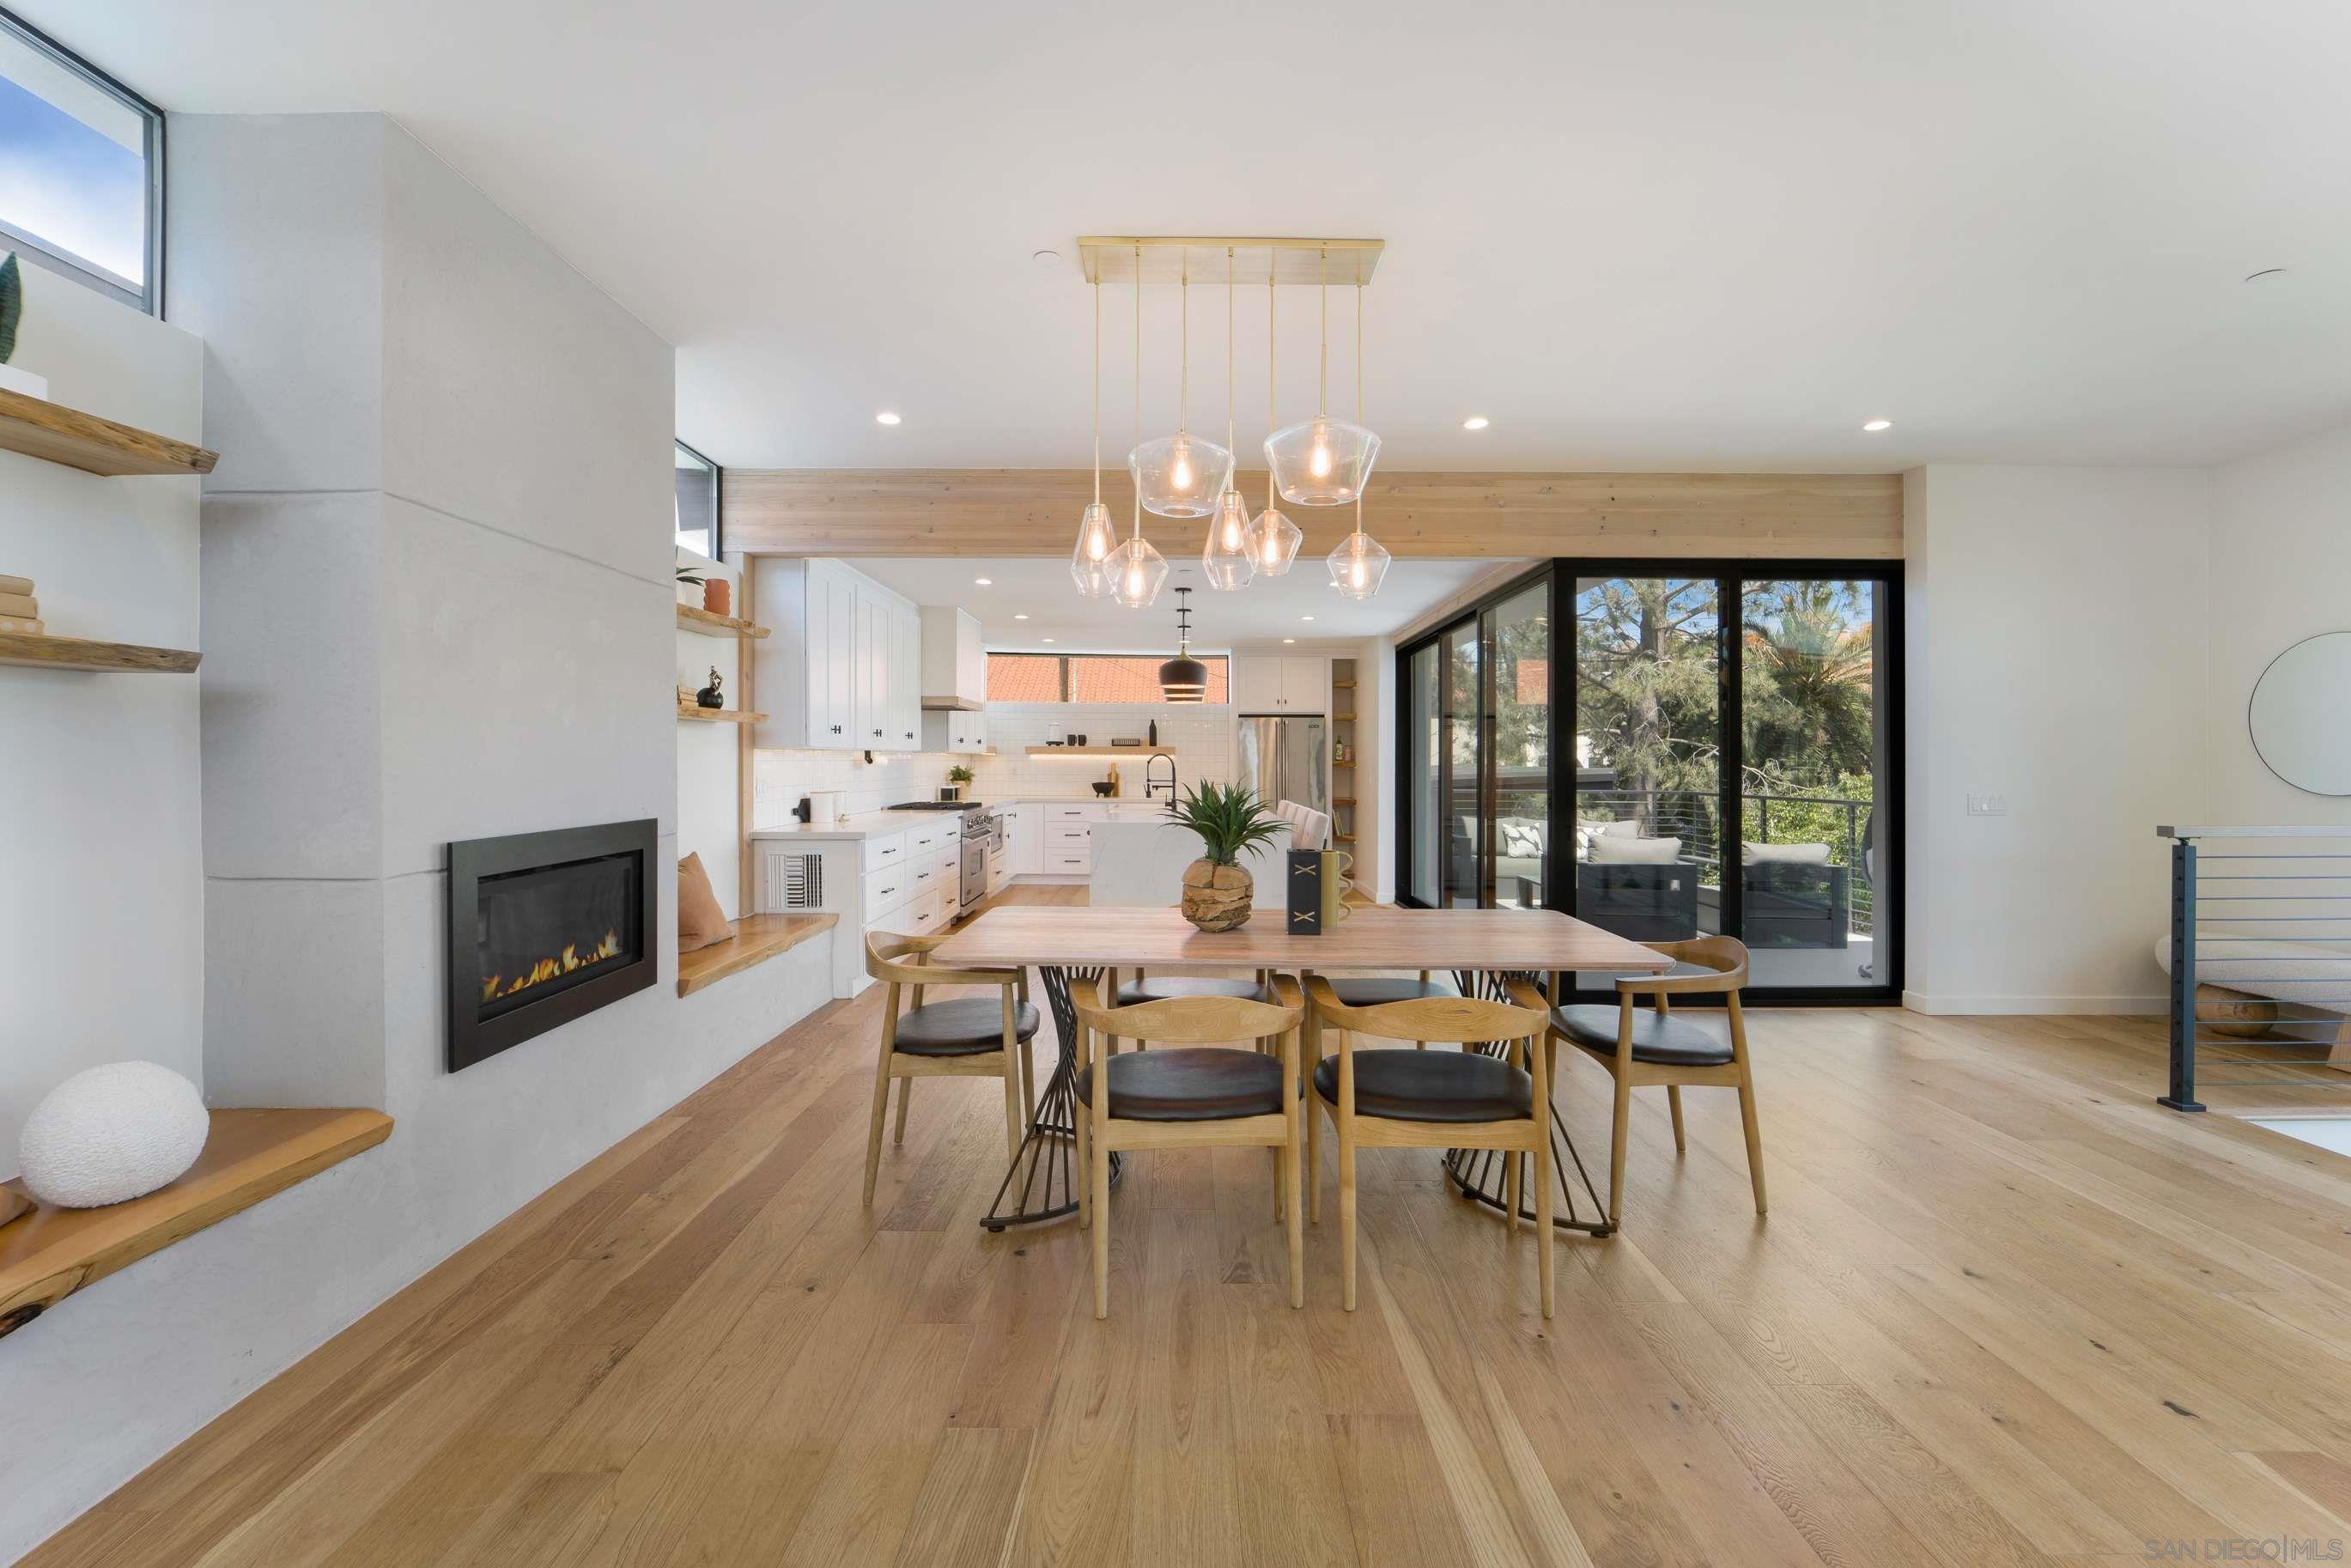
<point>1188,1094</point>
<point>1420,1099</point>
<point>968,1037</point>
<point>1642,1049</point>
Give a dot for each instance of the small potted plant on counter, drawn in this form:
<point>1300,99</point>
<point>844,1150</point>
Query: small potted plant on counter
<point>1229,819</point>
<point>958,777</point>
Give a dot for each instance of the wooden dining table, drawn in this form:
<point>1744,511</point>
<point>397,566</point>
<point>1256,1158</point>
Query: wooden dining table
<point>1069,945</point>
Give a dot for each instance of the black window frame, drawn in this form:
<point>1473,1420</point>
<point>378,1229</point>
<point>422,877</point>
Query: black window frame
<point>717,499</point>
<point>1728,572</point>
<point>148,298</point>
<point>1061,670</point>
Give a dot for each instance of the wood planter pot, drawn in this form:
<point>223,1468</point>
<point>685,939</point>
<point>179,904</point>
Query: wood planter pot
<point>1217,897</point>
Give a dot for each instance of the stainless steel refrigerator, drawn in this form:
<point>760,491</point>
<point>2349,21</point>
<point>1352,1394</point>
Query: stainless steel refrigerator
<point>1287,758</point>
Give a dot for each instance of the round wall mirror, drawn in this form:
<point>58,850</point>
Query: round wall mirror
<point>2301,714</point>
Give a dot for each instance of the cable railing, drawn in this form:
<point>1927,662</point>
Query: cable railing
<point>2259,958</point>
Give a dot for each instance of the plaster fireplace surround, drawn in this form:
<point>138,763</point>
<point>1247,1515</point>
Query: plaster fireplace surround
<point>545,928</point>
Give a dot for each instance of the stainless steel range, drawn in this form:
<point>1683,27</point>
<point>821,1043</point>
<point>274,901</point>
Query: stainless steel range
<point>983,831</point>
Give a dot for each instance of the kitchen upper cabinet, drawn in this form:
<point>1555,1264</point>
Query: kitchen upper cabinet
<point>954,729</point>
<point>843,669</point>
<point>955,662</point>
<point>1267,683</point>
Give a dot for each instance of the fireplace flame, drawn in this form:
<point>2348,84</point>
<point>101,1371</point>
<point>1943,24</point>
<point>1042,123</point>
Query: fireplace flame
<point>496,986</point>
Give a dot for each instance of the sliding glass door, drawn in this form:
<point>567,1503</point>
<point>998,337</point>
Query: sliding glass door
<point>1731,767</point>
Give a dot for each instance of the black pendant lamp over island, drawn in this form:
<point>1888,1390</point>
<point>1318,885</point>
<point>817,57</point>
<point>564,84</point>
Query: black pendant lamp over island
<point>1183,679</point>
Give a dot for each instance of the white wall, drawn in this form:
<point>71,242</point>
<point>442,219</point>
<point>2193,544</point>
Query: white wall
<point>99,820</point>
<point>2279,571</point>
<point>2056,647</point>
<point>437,564</point>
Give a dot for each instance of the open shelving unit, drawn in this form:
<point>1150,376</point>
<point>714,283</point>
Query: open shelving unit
<point>1343,751</point>
<point>32,652</point>
<point>704,623</point>
<point>1101,751</point>
<point>55,433</point>
<point>693,714</point>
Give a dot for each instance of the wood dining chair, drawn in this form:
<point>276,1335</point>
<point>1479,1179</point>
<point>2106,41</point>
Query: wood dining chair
<point>1642,1049</point>
<point>1188,1094</point>
<point>1421,1098</point>
<point>968,1037</point>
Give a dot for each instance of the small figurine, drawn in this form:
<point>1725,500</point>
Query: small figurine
<point>708,696</point>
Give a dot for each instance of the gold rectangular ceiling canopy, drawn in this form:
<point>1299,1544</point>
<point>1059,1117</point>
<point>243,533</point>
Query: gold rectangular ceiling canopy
<point>1110,258</point>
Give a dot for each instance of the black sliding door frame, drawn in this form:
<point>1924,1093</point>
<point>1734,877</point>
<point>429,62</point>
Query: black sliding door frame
<point>1730,577</point>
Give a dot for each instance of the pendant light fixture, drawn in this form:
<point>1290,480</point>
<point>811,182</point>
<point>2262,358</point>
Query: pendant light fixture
<point>1323,462</point>
<point>1179,476</point>
<point>1183,679</point>
<point>1224,559</point>
<point>1136,570</point>
<point>1273,539</point>
<point>1360,564</point>
<point>1090,558</point>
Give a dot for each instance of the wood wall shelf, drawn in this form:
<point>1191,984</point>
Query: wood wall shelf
<point>55,433</point>
<point>1101,751</point>
<point>43,653</point>
<point>702,623</point>
<point>1336,716</point>
<point>50,1253</point>
<point>719,715</point>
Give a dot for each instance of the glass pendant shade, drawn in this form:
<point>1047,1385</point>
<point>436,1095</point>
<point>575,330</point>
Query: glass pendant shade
<point>1359,565</point>
<point>1090,560</point>
<point>1323,462</point>
<point>1137,572</point>
<point>1273,541</point>
<point>1184,680</point>
<point>1224,559</point>
<point>1180,476</point>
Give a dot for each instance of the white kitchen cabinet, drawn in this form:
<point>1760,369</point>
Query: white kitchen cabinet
<point>954,660</point>
<point>904,709</point>
<point>954,729</point>
<point>1024,839</point>
<point>843,669</point>
<point>1267,683</point>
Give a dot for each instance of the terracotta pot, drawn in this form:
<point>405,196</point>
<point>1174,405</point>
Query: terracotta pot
<point>719,596</point>
<point>1217,897</point>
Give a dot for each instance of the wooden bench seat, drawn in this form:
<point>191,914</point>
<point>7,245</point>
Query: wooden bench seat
<point>50,1253</point>
<point>756,939</point>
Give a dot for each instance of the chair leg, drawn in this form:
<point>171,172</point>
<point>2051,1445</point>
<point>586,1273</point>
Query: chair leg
<point>1544,1231</point>
<point>1314,1110</point>
<point>1098,1176</point>
<point>874,1128</point>
<point>1085,1169</point>
<point>1347,1217</point>
<point>1619,1130</point>
<point>905,1092</point>
<point>1013,1130</point>
<point>1512,1162</point>
<point>1754,1136</point>
<point>1289,1153</point>
<point>1029,1083</point>
<point>1673,1103</point>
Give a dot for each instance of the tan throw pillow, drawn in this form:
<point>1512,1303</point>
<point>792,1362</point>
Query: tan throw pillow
<point>700,921</point>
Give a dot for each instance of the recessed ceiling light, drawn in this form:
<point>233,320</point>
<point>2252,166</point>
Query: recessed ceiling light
<point>1306,618</point>
<point>886,417</point>
<point>983,581</point>
<point>1045,639</point>
<point>1875,425</point>
<point>1475,422</point>
<point>1290,639</point>
<point>1021,616</point>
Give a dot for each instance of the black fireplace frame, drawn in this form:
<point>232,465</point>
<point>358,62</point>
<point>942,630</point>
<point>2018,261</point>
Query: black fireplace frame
<point>473,1039</point>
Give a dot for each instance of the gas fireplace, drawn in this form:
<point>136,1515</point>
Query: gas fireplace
<point>545,928</point>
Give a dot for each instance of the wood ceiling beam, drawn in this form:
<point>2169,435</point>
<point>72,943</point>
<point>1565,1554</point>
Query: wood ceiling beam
<point>1002,512</point>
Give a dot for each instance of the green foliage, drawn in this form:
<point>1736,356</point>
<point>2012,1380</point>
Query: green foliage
<point>12,305</point>
<point>1229,818</point>
<point>690,574</point>
<point>958,774</point>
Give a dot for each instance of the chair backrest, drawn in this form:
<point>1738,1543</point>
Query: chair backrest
<point>1473,1020</point>
<point>1194,1020</point>
<point>885,951</point>
<point>1309,829</point>
<point>1725,959</point>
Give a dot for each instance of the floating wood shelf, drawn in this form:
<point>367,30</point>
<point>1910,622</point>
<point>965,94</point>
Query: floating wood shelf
<point>702,623</point>
<point>1342,800</point>
<point>41,653</point>
<point>719,714</point>
<point>1343,838</point>
<point>56,434</point>
<point>52,1252</point>
<point>756,939</point>
<point>1336,716</point>
<point>1101,751</point>
<point>1342,685</point>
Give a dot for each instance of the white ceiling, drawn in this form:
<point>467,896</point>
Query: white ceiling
<point>1264,613</point>
<point>1679,235</point>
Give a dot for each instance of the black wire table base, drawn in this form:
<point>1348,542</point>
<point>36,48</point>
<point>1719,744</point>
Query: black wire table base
<point>1482,1174</point>
<point>1047,1164</point>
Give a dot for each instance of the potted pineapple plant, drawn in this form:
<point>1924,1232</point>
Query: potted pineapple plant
<point>1229,818</point>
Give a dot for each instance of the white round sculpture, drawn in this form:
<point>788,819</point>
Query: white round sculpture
<point>111,1133</point>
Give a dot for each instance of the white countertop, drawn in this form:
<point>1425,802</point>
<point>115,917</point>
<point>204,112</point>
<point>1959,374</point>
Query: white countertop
<point>872,824</point>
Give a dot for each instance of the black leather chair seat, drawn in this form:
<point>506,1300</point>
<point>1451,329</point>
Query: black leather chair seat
<point>1432,1086</point>
<point>1162,987</point>
<point>964,1026</point>
<point>1188,1083</point>
<point>1667,1042</point>
<point>1373,993</point>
